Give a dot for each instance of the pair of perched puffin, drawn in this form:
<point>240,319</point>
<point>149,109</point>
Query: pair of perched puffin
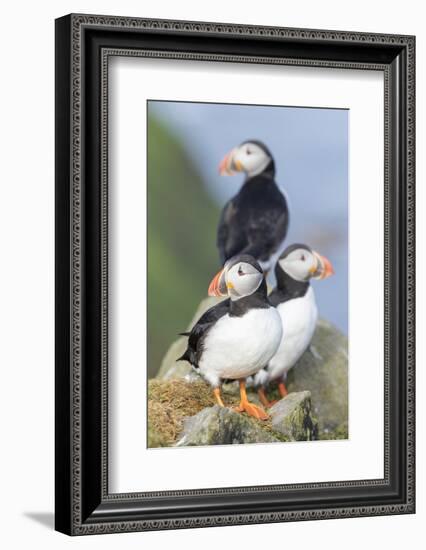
<point>251,334</point>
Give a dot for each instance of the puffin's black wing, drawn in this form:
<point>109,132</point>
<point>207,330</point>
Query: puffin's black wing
<point>229,242</point>
<point>199,331</point>
<point>254,222</point>
<point>266,232</point>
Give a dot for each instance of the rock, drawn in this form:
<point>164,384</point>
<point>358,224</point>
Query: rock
<point>291,417</point>
<point>184,413</point>
<point>222,426</point>
<point>322,370</point>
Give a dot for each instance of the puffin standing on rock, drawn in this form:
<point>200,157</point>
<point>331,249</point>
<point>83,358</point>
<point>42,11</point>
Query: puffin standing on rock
<point>237,337</point>
<point>255,221</point>
<point>295,302</point>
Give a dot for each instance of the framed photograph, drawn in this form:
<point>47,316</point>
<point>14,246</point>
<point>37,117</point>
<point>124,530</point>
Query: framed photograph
<point>234,274</point>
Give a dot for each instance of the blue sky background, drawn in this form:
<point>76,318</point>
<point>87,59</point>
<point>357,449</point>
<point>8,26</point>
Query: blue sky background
<point>310,148</point>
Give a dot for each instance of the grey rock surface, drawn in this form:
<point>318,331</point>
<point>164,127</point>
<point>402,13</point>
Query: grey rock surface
<point>323,371</point>
<point>292,417</point>
<point>222,426</point>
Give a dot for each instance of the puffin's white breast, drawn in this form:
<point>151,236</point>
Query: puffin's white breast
<point>299,318</point>
<point>237,347</point>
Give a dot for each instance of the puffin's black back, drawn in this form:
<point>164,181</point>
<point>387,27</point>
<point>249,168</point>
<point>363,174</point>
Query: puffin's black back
<point>255,221</point>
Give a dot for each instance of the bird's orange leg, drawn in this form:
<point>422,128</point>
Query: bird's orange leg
<point>264,399</point>
<point>218,397</point>
<point>282,388</point>
<point>246,406</point>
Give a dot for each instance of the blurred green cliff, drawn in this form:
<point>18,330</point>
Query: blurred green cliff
<point>182,255</point>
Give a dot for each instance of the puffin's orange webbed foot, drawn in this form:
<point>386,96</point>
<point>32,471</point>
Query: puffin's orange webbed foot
<point>264,399</point>
<point>249,408</point>
<point>282,388</point>
<point>252,410</point>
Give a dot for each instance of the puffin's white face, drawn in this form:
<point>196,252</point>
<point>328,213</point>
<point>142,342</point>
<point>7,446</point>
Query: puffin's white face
<point>248,158</point>
<point>303,264</point>
<point>242,279</point>
<point>236,279</point>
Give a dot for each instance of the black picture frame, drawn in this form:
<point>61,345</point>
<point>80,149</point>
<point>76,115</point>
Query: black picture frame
<point>83,45</point>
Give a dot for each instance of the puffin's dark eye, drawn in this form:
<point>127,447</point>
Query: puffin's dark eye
<point>302,257</point>
<point>248,151</point>
<point>240,271</point>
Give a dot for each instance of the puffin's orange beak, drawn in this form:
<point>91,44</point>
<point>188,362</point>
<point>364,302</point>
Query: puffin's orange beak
<point>324,268</point>
<point>218,285</point>
<point>229,165</point>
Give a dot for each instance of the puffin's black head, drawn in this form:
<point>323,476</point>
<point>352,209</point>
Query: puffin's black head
<point>301,263</point>
<point>241,276</point>
<point>251,157</point>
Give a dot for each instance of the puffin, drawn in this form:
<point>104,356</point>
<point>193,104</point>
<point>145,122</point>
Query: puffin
<point>255,220</point>
<point>237,337</point>
<point>294,300</point>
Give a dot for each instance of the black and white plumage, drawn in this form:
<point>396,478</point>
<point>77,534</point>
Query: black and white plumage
<point>294,299</point>
<point>237,337</point>
<point>255,220</point>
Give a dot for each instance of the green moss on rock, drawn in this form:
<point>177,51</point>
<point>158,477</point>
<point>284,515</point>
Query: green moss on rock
<point>291,416</point>
<point>222,426</point>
